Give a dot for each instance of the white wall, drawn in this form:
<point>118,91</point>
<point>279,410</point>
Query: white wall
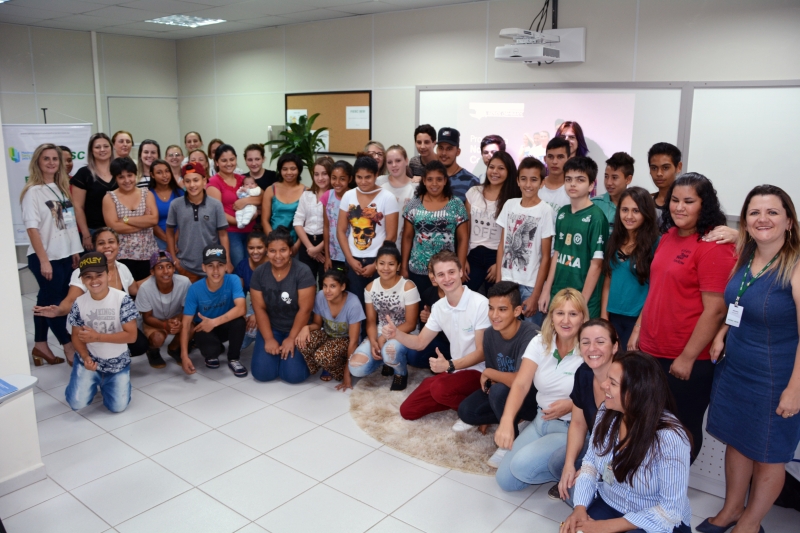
<point>233,86</point>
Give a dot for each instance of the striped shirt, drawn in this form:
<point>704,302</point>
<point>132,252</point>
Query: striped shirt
<point>657,501</point>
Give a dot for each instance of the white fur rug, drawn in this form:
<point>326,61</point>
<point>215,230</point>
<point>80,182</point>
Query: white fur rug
<point>376,410</point>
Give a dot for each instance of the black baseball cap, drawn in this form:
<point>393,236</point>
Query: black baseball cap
<point>449,136</point>
<point>93,262</point>
<point>214,253</point>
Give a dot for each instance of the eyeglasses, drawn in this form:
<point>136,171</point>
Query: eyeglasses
<point>373,154</point>
<point>174,154</point>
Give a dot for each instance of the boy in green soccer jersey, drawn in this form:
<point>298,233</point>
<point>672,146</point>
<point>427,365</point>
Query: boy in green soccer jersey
<point>581,234</point>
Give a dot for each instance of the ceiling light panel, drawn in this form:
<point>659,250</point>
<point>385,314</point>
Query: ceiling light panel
<point>186,21</point>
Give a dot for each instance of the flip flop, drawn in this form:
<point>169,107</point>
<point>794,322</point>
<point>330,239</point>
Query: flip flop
<point>326,376</point>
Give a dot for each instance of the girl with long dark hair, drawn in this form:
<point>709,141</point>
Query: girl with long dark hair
<point>626,263</point>
<point>165,188</point>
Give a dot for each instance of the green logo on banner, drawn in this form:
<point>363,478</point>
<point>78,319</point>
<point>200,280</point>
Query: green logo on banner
<point>14,154</point>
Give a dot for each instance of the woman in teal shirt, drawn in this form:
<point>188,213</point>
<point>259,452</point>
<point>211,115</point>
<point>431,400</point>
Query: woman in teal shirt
<point>626,264</point>
<point>281,200</point>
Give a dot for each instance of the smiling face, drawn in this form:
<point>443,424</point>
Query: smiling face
<point>289,172</point>
<point>685,206</point>
<point>149,154</point>
<point>434,183</point>
<point>174,157</point>
<point>321,177</point>
<point>122,145</point>
<point>577,184</point>
<point>377,154</point>
<point>424,145</point>
<point>612,386</point>
<point>387,267</point>
<point>215,272</point>
<point>257,250</point>
<point>496,172</point>
<point>163,272</point>
<point>663,171</point>
<point>339,181</point>
<point>332,289</point>
<point>448,276</point>
<point>49,162</point>
<point>279,253</point>
<point>488,151</point>
<point>529,181</point>
<point>126,181</point>
<point>767,220</point>
<point>501,313</point>
<point>107,244</point>
<point>630,215</point>
<point>447,154</point>
<point>96,282</point>
<point>101,150</point>
<point>194,183</point>
<point>396,163</point>
<point>226,164</point>
<point>567,319</point>
<point>199,157</point>
<point>555,160</point>
<point>162,175</point>
<point>193,142</point>
<point>615,181</point>
<point>254,161</point>
<point>596,346</point>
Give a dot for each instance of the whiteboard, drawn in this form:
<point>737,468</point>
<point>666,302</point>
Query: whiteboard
<point>743,137</point>
<point>613,119</point>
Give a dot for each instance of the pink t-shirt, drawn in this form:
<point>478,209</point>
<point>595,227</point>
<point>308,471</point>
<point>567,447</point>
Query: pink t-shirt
<point>228,199</point>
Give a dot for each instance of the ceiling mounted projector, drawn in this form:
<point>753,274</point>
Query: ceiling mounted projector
<point>550,46</point>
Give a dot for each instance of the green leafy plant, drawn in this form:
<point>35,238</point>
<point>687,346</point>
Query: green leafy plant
<point>300,140</point>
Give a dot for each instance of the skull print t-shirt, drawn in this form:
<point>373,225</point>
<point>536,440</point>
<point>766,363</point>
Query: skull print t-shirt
<point>367,224</point>
<point>524,227</point>
<point>280,297</point>
<point>434,231</point>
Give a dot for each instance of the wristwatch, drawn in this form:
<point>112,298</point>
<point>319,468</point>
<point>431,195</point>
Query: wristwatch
<point>125,219</point>
<point>451,368</point>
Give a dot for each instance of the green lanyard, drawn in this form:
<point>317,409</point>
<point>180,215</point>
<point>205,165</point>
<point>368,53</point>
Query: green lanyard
<point>744,286</point>
<point>62,200</point>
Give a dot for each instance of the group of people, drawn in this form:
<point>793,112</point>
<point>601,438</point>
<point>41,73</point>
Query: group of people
<point>594,330</point>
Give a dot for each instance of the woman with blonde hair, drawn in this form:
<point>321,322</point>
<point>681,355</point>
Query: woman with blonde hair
<point>54,244</point>
<point>537,455</point>
<point>174,156</point>
<point>377,152</point>
<point>122,143</point>
<point>90,185</point>
<point>762,357</point>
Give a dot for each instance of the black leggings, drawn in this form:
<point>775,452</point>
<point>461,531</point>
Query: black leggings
<point>480,408</point>
<point>140,345</point>
<point>691,398</point>
<point>317,268</point>
<point>209,342</point>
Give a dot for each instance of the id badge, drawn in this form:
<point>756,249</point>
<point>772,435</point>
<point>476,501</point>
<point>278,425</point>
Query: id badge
<point>734,317</point>
<point>608,475</point>
<point>69,216</point>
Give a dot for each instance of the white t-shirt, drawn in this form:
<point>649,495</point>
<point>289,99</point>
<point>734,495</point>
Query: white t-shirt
<point>163,306</point>
<point>459,323</point>
<point>525,227</point>
<point>403,195</point>
<point>554,379</point>
<point>309,214</point>
<point>557,198</point>
<point>104,316</point>
<point>124,275</point>
<point>484,230</point>
<point>391,301</point>
<point>367,226</point>
<point>46,208</point>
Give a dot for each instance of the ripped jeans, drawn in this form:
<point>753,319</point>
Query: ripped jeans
<point>394,354</point>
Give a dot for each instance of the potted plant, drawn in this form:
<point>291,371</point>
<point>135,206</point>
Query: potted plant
<point>300,139</point>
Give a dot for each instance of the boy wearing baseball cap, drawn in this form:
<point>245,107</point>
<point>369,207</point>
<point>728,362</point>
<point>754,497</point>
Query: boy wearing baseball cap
<point>447,150</point>
<point>214,311</point>
<point>103,322</point>
<point>160,301</point>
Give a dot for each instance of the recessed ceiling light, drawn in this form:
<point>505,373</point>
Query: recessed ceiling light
<point>185,20</point>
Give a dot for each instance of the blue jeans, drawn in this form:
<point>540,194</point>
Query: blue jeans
<point>536,318</point>
<point>238,247</point>
<point>115,388</point>
<point>51,293</point>
<point>268,367</point>
<point>600,510</point>
<point>537,455</point>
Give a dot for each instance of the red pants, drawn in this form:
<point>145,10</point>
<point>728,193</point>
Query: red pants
<point>439,393</point>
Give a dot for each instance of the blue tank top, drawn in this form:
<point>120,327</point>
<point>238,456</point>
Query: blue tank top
<point>283,214</point>
<point>163,208</point>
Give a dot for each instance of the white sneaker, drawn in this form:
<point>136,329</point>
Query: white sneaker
<point>497,457</point>
<point>461,426</point>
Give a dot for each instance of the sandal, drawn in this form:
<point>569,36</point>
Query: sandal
<point>326,376</point>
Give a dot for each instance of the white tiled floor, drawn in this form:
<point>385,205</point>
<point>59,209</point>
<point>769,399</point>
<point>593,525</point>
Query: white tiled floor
<point>213,453</point>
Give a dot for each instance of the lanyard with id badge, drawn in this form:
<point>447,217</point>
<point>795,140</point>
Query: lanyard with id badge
<point>67,211</point>
<point>735,311</point>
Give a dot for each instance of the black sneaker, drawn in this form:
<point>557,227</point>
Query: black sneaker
<point>238,368</point>
<point>212,363</point>
<point>387,371</point>
<point>399,382</point>
<point>175,354</point>
<point>553,493</point>
<point>155,359</point>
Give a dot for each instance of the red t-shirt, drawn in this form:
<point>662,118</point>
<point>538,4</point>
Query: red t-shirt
<point>228,197</point>
<point>682,268</point>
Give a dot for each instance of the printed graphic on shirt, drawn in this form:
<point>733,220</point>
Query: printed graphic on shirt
<point>335,329</point>
<point>363,223</point>
<point>332,210</point>
<point>388,303</point>
<point>519,241</point>
<point>103,320</point>
<point>57,211</point>
<point>506,363</point>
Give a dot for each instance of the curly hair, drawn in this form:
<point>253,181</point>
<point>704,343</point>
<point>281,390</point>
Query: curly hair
<point>711,214</point>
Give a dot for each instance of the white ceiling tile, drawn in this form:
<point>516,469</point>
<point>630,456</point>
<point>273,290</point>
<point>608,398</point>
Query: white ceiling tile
<point>215,2</point>
<point>13,19</point>
<point>123,30</point>
<point>253,9</point>
<point>168,7</point>
<point>316,14</point>
<point>415,4</point>
<point>21,11</point>
<point>74,7</point>
<point>266,22</point>
<point>365,8</point>
<point>336,3</point>
<point>126,14</point>
<point>146,26</point>
<point>84,22</point>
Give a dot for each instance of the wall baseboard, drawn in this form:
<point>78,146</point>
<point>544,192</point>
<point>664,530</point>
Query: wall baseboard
<point>707,484</point>
<point>18,481</point>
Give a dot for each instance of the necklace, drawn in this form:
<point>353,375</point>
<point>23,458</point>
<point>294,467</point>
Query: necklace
<point>278,275</point>
<point>163,199</point>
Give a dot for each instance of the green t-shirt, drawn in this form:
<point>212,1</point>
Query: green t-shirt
<point>580,237</point>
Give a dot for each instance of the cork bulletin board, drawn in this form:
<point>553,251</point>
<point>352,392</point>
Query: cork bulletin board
<point>346,114</point>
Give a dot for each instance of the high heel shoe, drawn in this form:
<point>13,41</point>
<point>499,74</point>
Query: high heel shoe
<point>40,358</point>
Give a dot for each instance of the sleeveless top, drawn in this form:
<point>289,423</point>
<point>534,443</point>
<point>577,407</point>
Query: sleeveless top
<point>283,214</point>
<point>228,197</point>
<point>137,246</point>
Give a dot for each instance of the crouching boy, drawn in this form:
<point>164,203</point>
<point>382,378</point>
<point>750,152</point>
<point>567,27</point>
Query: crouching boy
<point>103,322</point>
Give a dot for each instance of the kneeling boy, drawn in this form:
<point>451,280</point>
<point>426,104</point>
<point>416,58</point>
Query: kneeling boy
<point>103,322</point>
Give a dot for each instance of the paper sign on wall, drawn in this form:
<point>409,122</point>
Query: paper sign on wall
<point>293,115</point>
<point>357,117</point>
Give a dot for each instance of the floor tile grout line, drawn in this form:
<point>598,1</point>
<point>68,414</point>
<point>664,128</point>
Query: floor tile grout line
<point>41,502</point>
